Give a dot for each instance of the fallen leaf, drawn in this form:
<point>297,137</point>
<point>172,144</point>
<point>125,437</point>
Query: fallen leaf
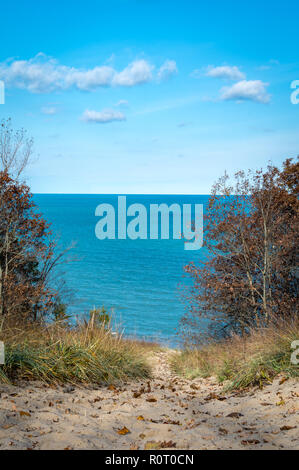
<point>140,418</point>
<point>123,431</point>
<point>170,421</point>
<point>283,380</point>
<point>281,402</point>
<point>24,413</point>
<point>250,441</point>
<point>234,415</point>
<point>151,399</point>
<point>223,431</point>
<point>194,387</point>
<point>287,428</point>
<point>168,445</point>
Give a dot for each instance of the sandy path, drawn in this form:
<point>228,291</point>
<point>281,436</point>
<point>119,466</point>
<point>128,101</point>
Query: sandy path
<point>166,412</point>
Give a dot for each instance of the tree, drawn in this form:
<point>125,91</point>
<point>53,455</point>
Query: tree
<point>251,236</point>
<point>27,257</point>
<point>26,254</point>
<point>15,149</point>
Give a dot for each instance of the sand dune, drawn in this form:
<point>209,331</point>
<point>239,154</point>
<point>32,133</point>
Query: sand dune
<point>166,412</point>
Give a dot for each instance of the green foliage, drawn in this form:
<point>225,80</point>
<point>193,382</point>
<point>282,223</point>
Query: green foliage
<point>60,313</point>
<point>99,317</point>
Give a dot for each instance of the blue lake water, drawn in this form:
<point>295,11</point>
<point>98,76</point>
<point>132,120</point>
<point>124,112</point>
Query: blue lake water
<point>137,279</point>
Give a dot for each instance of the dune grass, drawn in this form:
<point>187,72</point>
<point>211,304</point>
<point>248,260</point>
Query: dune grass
<point>57,355</point>
<point>244,361</point>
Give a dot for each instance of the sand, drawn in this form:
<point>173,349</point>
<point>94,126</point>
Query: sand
<point>167,412</point>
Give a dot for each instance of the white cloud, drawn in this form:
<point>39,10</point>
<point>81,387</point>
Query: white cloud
<point>102,117</point>
<point>168,69</point>
<point>225,71</point>
<point>49,110</point>
<point>252,90</point>
<point>123,103</point>
<point>135,73</point>
<point>42,74</point>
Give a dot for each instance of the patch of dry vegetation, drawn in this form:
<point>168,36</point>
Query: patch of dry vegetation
<point>245,361</point>
<point>58,354</point>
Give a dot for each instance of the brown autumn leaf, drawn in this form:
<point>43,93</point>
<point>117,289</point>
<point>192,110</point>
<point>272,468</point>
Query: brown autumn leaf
<point>283,380</point>
<point>194,387</point>
<point>112,388</point>
<point>140,418</point>
<point>151,399</point>
<point>250,441</point>
<point>168,445</point>
<point>287,428</point>
<point>24,413</point>
<point>170,421</point>
<point>223,431</point>
<point>234,414</point>
<point>123,431</point>
<point>136,394</point>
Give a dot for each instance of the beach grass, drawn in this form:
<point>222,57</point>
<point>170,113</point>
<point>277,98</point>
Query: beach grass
<point>241,362</point>
<point>58,355</point>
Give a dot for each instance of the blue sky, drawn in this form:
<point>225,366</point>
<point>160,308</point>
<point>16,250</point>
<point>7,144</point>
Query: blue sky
<point>149,96</point>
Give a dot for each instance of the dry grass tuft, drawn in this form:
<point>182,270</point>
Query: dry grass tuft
<point>244,361</point>
<point>57,354</point>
